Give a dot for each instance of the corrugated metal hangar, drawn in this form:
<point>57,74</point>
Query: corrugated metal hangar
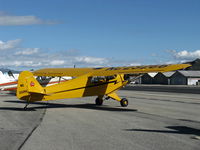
<point>189,76</point>
<point>185,78</point>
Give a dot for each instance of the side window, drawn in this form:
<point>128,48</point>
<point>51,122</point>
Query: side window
<point>110,77</point>
<point>98,79</point>
<point>43,78</point>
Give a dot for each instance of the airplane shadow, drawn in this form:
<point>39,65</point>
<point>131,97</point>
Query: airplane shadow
<point>42,105</point>
<point>175,130</point>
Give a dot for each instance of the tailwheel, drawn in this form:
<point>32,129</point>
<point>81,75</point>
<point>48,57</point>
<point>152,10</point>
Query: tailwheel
<point>124,102</point>
<point>99,101</point>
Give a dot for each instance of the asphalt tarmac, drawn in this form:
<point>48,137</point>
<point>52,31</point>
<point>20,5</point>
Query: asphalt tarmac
<point>152,121</point>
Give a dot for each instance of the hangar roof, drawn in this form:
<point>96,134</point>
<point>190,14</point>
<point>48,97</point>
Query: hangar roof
<point>190,73</point>
<point>152,74</point>
<point>168,74</point>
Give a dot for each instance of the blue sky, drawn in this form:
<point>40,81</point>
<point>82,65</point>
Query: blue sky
<point>90,33</point>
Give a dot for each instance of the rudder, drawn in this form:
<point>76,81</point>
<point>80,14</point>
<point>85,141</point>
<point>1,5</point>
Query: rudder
<point>28,87</point>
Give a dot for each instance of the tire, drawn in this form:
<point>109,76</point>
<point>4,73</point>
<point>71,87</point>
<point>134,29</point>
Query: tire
<point>99,101</point>
<point>124,102</point>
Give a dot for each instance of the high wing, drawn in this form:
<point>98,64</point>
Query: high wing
<point>109,71</point>
<point>60,72</point>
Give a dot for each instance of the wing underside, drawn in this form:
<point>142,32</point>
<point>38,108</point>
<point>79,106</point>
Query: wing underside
<point>109,71</point>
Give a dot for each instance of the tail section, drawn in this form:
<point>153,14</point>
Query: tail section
<point>28,87</point>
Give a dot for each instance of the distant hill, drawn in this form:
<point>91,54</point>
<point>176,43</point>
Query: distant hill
<point>6,70</point>
<point>195,65</point>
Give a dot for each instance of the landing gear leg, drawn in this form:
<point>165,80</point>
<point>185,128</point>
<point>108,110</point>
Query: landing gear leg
<point>27,103</point>
<point>99,101</point>
<point>123,101</point>
<point>25,107</point>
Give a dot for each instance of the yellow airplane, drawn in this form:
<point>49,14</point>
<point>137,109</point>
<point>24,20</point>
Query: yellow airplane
<point>100,82</point>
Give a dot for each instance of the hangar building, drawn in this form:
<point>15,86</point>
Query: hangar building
<point>147,78</point>
<point>185,78</point>
<point>163,78</point>
<point>189,76</point>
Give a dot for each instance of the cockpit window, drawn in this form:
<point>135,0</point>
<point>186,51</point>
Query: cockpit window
<point>98,79</point>
<point>43,78</point>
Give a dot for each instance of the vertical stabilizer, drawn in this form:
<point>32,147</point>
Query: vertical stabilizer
<point>27,86</point>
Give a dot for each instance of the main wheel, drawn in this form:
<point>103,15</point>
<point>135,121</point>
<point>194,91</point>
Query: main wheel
<point>99,101</point>
<point>124,102</point>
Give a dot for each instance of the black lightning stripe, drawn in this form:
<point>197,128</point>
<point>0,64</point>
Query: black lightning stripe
<point>90,86</point>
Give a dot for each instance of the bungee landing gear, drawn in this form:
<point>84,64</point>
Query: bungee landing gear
<point>124,102</point>
<point>99,100</point>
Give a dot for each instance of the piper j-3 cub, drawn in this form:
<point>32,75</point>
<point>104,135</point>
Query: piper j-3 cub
<point>100,82</point>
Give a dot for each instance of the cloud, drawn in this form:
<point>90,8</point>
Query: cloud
<point>187,55</point>
<point>71,52</point>
<point>57,62</point>
<point>22,63</point>
<point>11,20</point>
<point>14,56</point>
<point>135,64</point>
<point>27,51</point>
<point>9,44</point>
<point>90,60</point>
